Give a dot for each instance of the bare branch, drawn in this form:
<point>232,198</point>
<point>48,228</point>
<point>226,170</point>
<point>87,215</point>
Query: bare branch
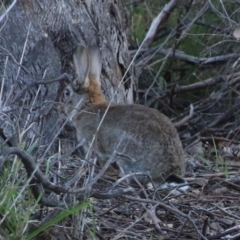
<point>187,118</point>
<point>177,54</point>
<point>157,21</point>
<point>7,10</point>
<point>27,87</point>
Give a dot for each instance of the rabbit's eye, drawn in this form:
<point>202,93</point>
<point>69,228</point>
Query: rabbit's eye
<point>67,92</point>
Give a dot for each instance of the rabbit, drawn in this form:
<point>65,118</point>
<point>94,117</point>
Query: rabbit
<point>144,139</point>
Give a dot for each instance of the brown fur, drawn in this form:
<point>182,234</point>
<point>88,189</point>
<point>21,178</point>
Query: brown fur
<point>95,93</point>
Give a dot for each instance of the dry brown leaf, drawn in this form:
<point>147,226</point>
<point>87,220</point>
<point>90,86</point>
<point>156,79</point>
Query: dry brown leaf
<point>220,191</point>
<point>201,182</point>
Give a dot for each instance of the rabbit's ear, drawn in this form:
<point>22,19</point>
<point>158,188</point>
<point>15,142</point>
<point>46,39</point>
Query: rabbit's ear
<point>81,65</point>
<point>95,62</point>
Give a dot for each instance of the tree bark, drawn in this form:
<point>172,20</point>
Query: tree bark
<point>36,44</point>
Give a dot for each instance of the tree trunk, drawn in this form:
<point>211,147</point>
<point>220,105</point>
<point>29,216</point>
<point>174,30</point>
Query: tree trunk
<point>36,44</point>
